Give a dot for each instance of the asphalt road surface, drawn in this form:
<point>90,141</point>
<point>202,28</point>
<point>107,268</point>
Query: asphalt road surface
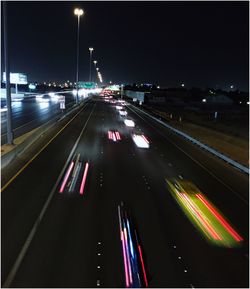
<point>29,113</point>
<point>68,239</point>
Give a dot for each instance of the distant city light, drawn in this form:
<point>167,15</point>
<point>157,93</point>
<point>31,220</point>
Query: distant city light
<point>182,84</point>
<point>158,87</point>
<point>231,86</point>
<point>204,100</point>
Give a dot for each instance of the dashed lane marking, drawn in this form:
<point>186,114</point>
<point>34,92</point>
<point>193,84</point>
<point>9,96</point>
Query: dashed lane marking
<point>236,193</point>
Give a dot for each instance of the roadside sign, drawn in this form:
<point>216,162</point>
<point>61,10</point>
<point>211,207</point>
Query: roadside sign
<point>61,99</point>
<point>62,105</point>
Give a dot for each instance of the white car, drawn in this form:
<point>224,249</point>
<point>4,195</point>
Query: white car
<point>129,122</point>
<point>140,140</point>
<point>123,112</point>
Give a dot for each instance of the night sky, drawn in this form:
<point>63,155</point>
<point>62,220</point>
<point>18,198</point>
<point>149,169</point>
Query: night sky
<point>166,43</point>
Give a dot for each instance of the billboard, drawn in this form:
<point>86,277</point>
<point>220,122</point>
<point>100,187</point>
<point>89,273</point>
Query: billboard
<point>16,78</point>
<point>113,87</point>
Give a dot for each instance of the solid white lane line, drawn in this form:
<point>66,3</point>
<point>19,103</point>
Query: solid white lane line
<point>27,243</point>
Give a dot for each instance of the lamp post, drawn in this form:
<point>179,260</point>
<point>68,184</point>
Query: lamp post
<point>95,62</point>
<point>97,69</point>
<point>90,61</point>
<point>7,73</point>
<point>78,12</point>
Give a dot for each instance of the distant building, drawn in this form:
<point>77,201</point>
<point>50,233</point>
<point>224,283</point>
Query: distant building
<point>218,99</point>
<point>136,95</point>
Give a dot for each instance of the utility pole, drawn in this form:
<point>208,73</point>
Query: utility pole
<point>7,73</point>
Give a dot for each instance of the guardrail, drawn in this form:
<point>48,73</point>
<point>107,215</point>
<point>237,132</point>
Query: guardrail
<point>205,147</point>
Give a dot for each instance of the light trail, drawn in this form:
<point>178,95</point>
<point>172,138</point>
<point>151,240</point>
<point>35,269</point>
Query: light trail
<point>66,177</point>
<point>84,178</point>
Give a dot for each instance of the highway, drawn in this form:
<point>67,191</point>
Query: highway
<point>31,112</point>
<point>59,235</point>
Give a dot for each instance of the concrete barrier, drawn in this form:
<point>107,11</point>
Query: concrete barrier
<point>198,143</point>
<point>37,133</point>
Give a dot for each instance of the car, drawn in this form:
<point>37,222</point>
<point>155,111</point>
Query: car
<point>114,135</point>
<point>123,112</point>
<point>183,186</point>
<point>129,123</point>
<point>140,140</point>
<point>203,214</point>
<point>132,250</point>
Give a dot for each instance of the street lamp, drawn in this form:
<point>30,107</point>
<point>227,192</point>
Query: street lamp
<point>95,62</point>
<point>78,12</point>
<point>90,61</point>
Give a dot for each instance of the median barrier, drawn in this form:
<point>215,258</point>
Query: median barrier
<point>34,136</point>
